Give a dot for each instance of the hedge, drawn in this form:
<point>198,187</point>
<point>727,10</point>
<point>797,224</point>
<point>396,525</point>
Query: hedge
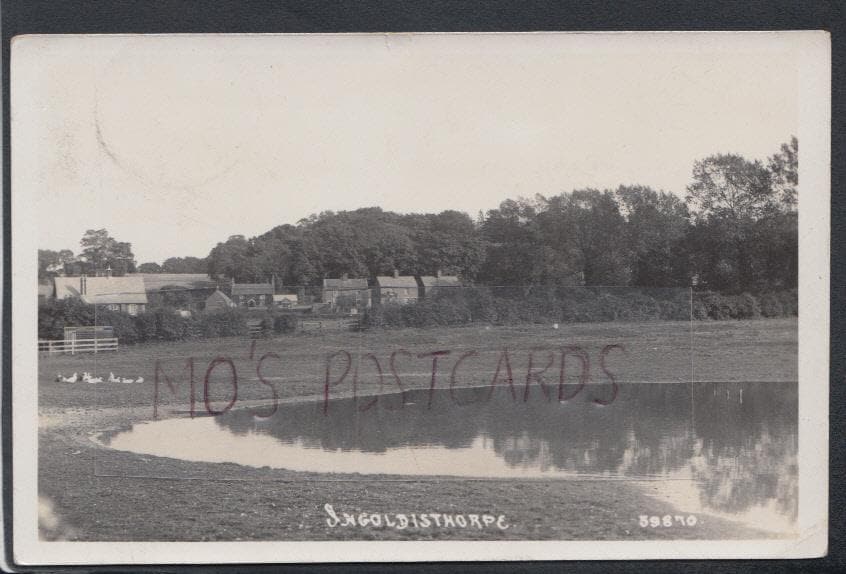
<point>499,306</point>
<point>563,305</point>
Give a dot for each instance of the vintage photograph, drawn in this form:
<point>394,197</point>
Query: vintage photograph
<point>417,287</point>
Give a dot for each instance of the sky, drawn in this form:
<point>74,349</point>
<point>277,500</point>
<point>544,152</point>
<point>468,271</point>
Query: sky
<point>174,143</point>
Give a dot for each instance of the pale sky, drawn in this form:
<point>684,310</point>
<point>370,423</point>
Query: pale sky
<point>173,143</point>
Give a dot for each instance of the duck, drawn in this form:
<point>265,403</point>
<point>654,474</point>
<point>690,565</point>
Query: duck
<point>113,378</point>
<point>127,381</point>
<point>94,379</point>
<point>72,379</point>
<point>139,380</point>
<point>59,377</point>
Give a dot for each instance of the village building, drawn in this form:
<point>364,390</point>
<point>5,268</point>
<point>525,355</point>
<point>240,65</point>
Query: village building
<point>252,294</point>
<point>434,284</point>
<point>126,294</point>
<point>398,289</point>
<point>347,295</point>
<point>218,301</point>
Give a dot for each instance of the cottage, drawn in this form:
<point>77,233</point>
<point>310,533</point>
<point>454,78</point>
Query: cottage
<point>253,294</point>
<point>434,284</point>
<point>126,294</point>
<point>218,301</point>
<point>347,295</point>
<point>400,289</point>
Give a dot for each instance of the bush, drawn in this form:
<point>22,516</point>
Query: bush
<point>123,324</point>
<point>55,315</point>
<point>226,323</point>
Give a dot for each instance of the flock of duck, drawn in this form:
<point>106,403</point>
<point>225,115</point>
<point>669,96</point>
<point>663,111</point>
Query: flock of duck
<point>89,378</point>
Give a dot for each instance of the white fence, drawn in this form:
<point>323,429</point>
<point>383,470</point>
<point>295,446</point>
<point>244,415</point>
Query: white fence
<point>74,346</point>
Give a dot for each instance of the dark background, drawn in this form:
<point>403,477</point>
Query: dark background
<point>138,16</point>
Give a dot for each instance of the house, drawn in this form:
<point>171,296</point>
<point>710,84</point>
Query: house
<point>218,301</point>
<point>126,294</point>
<point>400,289</point>
<point>348,295</point>
<point>433,284</point>
<point>253,294</point>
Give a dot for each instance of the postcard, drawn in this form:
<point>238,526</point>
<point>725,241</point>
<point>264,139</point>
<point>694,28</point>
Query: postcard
<point>419,297</point>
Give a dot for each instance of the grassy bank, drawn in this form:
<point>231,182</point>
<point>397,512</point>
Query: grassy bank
<point>102,494</point>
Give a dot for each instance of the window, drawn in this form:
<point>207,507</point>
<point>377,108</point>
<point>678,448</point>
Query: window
<point>113,307</point>
<point>132,309</point>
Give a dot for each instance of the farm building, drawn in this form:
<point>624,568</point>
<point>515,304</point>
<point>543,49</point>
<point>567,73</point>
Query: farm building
<point>433,284</point>
<point>218,301</point>
<point>125,294</point>
<point>346,294</point>
<point>399,289</point>
<point>253,294</point>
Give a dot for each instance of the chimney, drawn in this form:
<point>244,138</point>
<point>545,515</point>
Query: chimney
<point>83,287</point>
<point>109,271</point>
<point>396,273</point>
<point>438,273</point>
<point>344,276</point>
<point>273,283</point>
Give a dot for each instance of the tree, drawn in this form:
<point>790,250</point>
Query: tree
<point>149,268</point>
<point>584,231</point>
<point>728,195</point>
<point>784,170</point>
<point>235,259</point>
<point>513,241</point>
<point>50,263</point>
<point>101,251</point>
<point>657,224</point>
<point>185,265</point>
<point>448,241</point>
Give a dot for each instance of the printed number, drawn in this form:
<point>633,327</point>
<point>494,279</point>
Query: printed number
<point>667,521</point>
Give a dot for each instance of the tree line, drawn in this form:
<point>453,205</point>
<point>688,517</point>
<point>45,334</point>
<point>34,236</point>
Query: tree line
<point>735,230</point>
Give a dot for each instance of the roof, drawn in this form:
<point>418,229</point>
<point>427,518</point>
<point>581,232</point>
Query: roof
<point>158,281</point>
<point>220,295</point>
<point>401,281</point>
<point>252,289</point>
<point>442,281</point>
<point>103,290</point>
<point>285,298</point>
<point>341,284</point>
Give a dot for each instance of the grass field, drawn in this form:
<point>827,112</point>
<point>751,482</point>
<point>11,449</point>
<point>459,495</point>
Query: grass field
<point>99,494</point>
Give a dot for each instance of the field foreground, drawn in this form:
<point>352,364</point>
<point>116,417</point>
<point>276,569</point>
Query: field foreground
<point>91,492</point>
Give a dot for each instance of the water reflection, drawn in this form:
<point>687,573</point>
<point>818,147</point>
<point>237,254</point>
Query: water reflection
<point>731,447</point>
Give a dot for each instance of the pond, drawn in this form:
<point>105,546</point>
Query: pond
<point>728,449</point>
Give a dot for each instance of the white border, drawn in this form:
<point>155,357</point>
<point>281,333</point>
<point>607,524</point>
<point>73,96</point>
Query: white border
<point>814,97</point>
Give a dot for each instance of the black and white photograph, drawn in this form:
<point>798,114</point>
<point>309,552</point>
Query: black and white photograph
<point>499,295</point>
